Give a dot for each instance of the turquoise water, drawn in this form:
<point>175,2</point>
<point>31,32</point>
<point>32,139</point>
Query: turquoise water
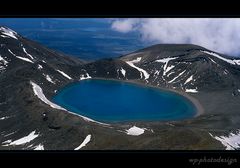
<point>115,101</point>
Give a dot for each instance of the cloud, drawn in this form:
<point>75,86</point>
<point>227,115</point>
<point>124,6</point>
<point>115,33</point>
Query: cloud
<point>125,25</point>
<point>220,35</point>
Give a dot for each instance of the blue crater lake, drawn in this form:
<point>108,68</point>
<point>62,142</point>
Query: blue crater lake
<point>116,101</point>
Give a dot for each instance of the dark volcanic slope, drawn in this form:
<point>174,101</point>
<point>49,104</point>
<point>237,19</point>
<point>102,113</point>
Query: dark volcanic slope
<point>30,74</point>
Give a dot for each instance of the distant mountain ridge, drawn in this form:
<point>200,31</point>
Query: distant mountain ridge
<point>30,74</point>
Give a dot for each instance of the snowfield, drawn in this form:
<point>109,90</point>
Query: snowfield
<point>142,71</point>
<point>4,118</point>
<point>39,147</point>
<point>39,93</point>
<point>165,61</point>
<point>40,66</point>
<point>82,77</point>
<point>22,58</point>
<point>8,32</point>
<point>49,78</point>
<point>177,76</point>
<point>22,140</point>
<point>64,74</point>
<point>3,60</point>
<point>188,80</point>
<point>230,61</point>
<point>84,143</point>
<point>123,71</point>
<point>191,90</point>
<point>231,142</point>
<point>135,131</point>
<point>24,50</point>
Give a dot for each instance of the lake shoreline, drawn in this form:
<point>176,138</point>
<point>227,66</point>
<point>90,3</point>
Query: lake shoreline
<point>197,104</point>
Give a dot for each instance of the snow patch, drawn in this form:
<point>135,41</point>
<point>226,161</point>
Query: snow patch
<point>40,66</point>
<point>7,141</point>
<point>84,143</point>
<point>170,73</point>
<point>8,32</point>
<point>39,93</point>
<point>165,61</point>
<point>123,71</point>
<point>39,147</point>
<point>231,142</point>
<point>212,60</point>
<point>22,58</point>
<point>230,61</point>
<point>25,59</point>
<point>64,74</point>
<point>10,134</point>
<point>4,118</point>
<point>188,80</point>
<point>142,71</point>
<point>22,140</point>
<point>3,60</point>
<point>177,76</point>
<point>82,77</point>
<point>191,90</point>
<point>4,36</point>
<point>238,90</point>
<point>169,68</point>
<point>135,131</point>
<point>225,72</point>
<point>24,50</point>
<point>49,78</point>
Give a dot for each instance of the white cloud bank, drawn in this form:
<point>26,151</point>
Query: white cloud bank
<point>218,34</point>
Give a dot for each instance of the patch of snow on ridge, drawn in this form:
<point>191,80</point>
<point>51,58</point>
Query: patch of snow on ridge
<point>177,76</point>
<point>123,71</point>
<point>165,61</point>
<point>4,36</point>
<point>24,50</point>
<point>135,131</point>
<point>4,118</point>
<point>191,90</point>
<point>39,147</point>
<point>3,60</point>
<point>40,66</point>
<point>49,78</point>
<point>22,140</point>
<point>8,32</point>
<point>22,58</point>
<point>84,143</point>
<point>82,77</point>
<point>238,90</point>
<point>10,134</point>
<point>11,52</point>
<point>231,142</point>
<point>188,80</point>
<point>39,93</point>
<point>169,68</point>
<point>212,60</point>
<point>25,59</point>
<point>64,74</point>
<point>230,61</point>
<point>142,71</point>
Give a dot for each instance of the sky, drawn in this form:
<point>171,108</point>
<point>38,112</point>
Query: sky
<point>111,37</point>
<point>218,34</point>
